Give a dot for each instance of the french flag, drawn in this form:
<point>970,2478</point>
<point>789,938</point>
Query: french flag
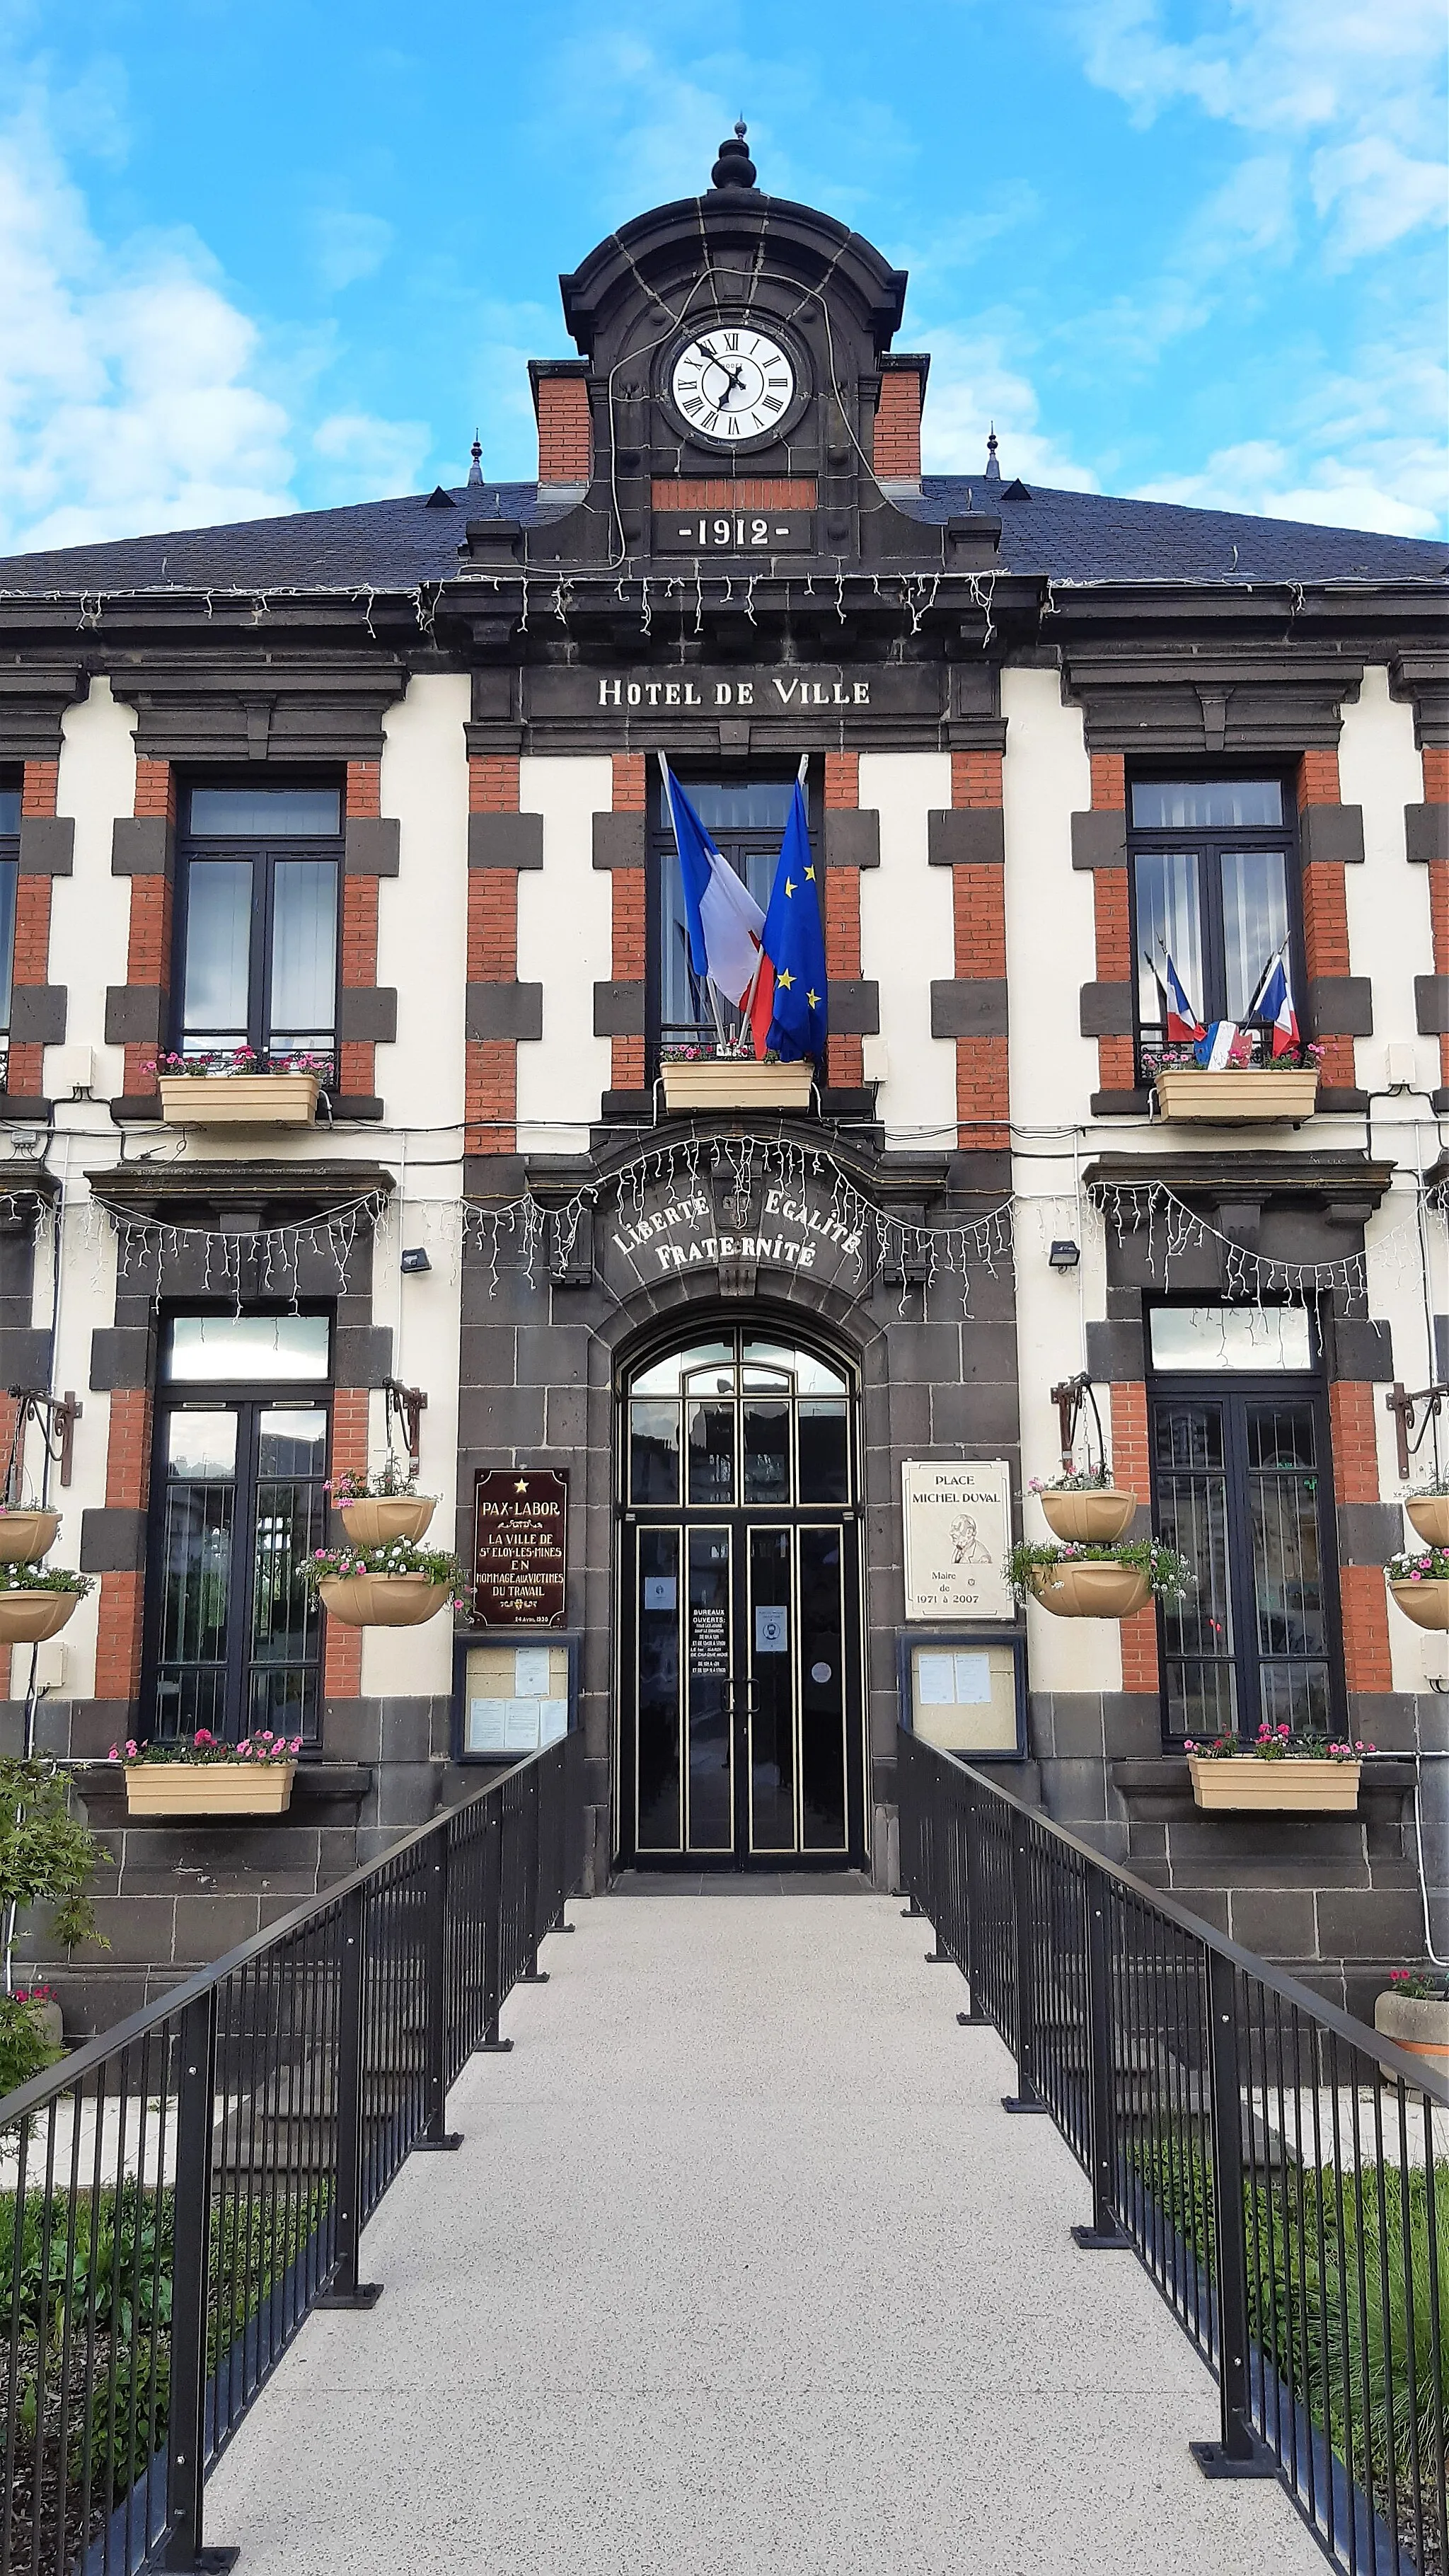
<point>725,922</point>
<point>1182,1019</point>
<point>1274,1005</point>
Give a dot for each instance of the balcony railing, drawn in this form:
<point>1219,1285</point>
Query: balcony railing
<point>180,2193</point>
<point>1272,2163</point>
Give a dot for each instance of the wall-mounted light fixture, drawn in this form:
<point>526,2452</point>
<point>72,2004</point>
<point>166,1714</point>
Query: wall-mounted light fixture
<point>1065,1255</point>
<point>415,1259</point>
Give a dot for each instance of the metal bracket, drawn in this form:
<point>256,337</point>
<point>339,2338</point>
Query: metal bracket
<point>409,1404</point>
<point>1401,1406</point>
<point>1068,1398</point>
<point>55,1416</point>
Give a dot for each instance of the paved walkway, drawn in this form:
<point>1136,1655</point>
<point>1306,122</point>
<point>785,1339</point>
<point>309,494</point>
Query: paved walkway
<point>742,2269</point>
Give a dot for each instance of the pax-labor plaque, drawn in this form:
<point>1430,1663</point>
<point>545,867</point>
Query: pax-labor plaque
<point>958,1538</point>
<point>520,1546</point>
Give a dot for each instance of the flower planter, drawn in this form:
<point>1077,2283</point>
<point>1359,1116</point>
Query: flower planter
<point>208,1788</point>
<point>28,1618</point>
<point>1426,1603</point>
<point>1419,2024</point>
<point>1240,1095</point>
<point>1242,1780</point>
<point>1428,1514</point>
<point>378,1519</point>
<point>26,1536</point>
<point>736,1082</point>
<point>238,1099</point>
<point>1091,1589</point>
<point>382,1600</point>
<point>1094,1519</point>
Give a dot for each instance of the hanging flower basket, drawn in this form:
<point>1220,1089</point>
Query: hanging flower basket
<point>734,1082</point>
<point>1279,1771</point>
<point>1091,1514</point>
<point>1429,1515</point>
<point>198,1775</point>
<point>1081,1581</point>
<point>396,1586</point>
<point>35,1603</point>
<point>1419,1582</point>
<point>25,1535</point>
<point>376,1509</point>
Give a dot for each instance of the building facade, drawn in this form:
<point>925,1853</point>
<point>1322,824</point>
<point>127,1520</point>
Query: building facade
<point>382,785</point>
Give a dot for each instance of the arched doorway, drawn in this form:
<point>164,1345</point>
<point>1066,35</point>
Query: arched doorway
<point>740,1689</point>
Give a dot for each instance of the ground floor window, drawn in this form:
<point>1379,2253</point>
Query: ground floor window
<point>238,1503</point>
<point>1243,1486</point>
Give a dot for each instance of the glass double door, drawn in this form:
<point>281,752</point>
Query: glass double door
<point>744,1654</point>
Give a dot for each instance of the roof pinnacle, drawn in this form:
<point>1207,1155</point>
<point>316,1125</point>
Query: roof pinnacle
<point>734,168</point>
<point>475,470</point>
<point>993,470</point>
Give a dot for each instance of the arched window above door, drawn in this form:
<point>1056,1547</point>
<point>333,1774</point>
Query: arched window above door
<point>739,1421</point>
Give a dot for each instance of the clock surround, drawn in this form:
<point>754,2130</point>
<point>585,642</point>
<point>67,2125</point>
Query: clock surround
<point>735,385</point>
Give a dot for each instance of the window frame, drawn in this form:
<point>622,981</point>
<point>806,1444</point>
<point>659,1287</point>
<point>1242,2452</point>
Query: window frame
<point>1208,842</point>
<point>266,851</point>
<point>12,782</point>
<point>659,850</point>
<point>247,1398</point>
<point>1233,1393</point>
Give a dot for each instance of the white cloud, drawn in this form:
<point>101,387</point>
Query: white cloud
<point>346,247</point>
<point>1376,193</point>
<point>972,384</point>
<point>373,457</point>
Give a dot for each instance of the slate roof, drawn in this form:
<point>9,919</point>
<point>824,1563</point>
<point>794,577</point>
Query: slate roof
<point>1073,536</point>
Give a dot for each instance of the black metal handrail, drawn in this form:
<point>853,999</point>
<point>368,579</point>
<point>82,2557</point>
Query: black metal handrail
<point>1272,2162</point>
<point>183,2190</point>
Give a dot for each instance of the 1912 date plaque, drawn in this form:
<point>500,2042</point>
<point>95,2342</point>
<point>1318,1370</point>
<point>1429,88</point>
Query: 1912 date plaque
<point>520,1546</point>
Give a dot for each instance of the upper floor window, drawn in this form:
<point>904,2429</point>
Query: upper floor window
<point>9,872</point>
<point>258,893</point>
<point>746,818</point>
<point>1212,892</point>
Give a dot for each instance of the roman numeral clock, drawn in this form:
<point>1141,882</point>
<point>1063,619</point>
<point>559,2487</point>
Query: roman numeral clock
<point>736,387</point>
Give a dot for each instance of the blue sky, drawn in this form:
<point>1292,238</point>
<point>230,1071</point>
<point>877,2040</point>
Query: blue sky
<point>262,255</point>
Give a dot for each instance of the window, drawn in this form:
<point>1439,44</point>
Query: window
<point>259,885</point>
<point>746,818</point>
<point>1211,889</point>
<point>1242,1485</point>
<point>9,872</point>
<point>238,1502</point>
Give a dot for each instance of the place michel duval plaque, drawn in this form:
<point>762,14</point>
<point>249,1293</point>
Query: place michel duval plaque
<point>520,1546</point>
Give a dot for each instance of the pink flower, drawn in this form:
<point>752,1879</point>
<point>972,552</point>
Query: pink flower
<point>132,1747</point>
<point>296,1745</point>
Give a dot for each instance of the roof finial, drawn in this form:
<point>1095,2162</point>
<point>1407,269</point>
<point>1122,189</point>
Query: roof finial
<point>993,470</point>
<point>734,168</point>
<point>475,470</point>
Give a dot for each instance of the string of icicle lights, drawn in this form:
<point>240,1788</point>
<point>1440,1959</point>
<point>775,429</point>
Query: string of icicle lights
<point>512,1232</point>
<point>1174,1230</point>
<point>251,1261</point>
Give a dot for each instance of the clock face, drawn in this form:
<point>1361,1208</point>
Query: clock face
<point>732,383</point>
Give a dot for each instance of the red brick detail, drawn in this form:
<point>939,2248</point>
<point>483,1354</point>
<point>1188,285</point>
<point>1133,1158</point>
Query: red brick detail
<point>357,1058</point>
<point>128,1485</point>
<point>626,886</point>
<point>40,786</point>
<point>1318,779</point>
<point>976,778</point>
<point>148,947</point>
<point>1436,773</point>
<point>1355,1449</point>
<point>342,1647</point>
<point>364,788</point>
<point>844,1057</point>
<point>493,783</point>
<point>1325,909</point>
<point>723,492</point>
<point>1131,1468</point>
<point>490,1102</point>
<point>1363,1607</point>
<point>898,426</point>
<point>1112,920</point>
<point>1109,782</point>
<point>978,905</point>
<point>565,440</point>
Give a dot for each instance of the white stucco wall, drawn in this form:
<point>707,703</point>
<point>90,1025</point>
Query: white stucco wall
<point>907,942</point>
<point>1389,935</point>
<point>565,943</point>
<point>90,910</point>
<point>1050,933</point>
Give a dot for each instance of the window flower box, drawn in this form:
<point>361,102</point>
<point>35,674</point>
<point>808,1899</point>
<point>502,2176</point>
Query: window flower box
<point>1419,1583</point>
<point>35,1603</point>
<point>1091,1514</point>
<point>707,1083</point>
<point>1243,1783</point>
<point>1241,1095</point>
<point>239,1099</point>
<point>395,1586</point>
<point>25,1536</point>
<point>200,1776</point>
<point>1077,1580</point>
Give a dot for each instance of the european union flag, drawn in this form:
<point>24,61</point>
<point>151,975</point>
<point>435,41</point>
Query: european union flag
<point>794,942</point>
